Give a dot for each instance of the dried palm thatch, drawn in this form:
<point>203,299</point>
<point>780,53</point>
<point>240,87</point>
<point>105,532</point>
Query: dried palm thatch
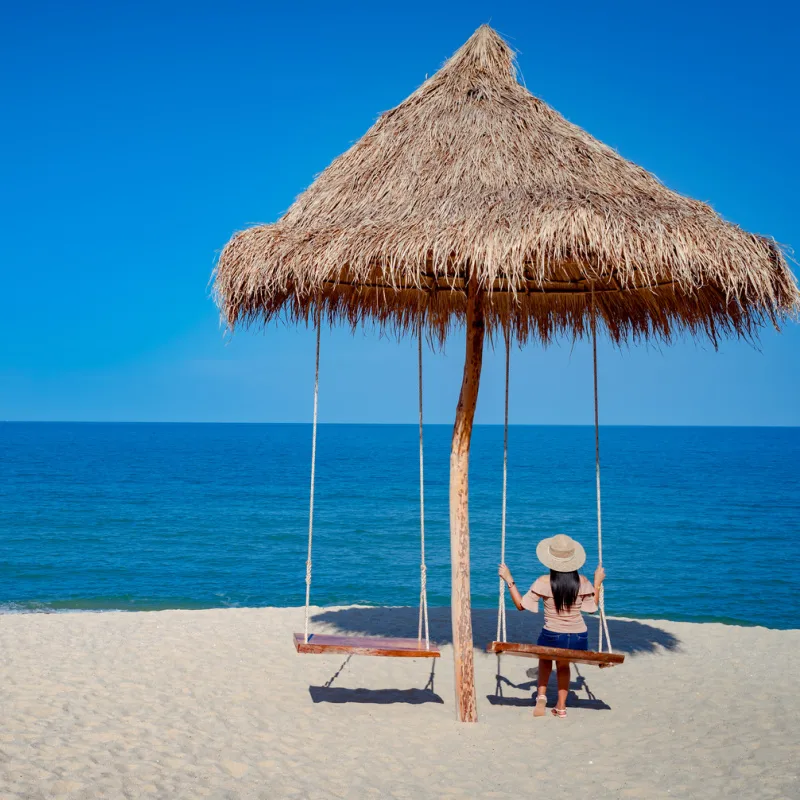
<point>472,177</point>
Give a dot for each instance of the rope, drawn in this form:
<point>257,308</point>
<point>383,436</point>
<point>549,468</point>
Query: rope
<point>313,477</point>
<point>501,606</point>
<point>603,627</point>
<point>423,571</point>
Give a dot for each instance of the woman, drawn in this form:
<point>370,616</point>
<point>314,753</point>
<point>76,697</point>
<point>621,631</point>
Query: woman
<point>565,594</point>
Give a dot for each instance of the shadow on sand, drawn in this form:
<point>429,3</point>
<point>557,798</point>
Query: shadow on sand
<point>628,636</point>
<point>380,697</point>
<point>574,700</point>
<point>338,694</point>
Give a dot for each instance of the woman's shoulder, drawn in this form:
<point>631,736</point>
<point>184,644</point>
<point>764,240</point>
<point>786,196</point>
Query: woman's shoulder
<point>541,586</point>
<point>586,586</point>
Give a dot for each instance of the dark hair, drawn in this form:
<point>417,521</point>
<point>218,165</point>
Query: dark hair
<point>565,586</point>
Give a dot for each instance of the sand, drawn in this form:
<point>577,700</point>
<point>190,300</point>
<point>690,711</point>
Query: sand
<point>189,704</point>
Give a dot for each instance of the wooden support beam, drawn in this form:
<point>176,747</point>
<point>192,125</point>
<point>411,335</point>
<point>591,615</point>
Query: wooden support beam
<point>460,605</point>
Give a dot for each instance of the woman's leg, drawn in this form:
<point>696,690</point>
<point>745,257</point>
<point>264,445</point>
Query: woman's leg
<point>562,674</point>
<point>545,668</point>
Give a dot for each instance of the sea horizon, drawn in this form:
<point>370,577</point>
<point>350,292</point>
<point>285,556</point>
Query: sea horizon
<point>376,424</point>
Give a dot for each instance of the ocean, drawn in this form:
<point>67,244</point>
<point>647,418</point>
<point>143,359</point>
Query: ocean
<point>699,524</point>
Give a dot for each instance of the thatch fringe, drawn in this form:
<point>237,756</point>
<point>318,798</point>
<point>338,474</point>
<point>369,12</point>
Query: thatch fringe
<point>473,175</point>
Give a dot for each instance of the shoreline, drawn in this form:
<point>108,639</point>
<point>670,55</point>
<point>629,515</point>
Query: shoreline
<point>13,609</point>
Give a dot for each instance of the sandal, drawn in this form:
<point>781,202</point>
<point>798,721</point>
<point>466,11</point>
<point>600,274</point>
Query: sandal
<point>559,712</point>
<point>540,708</point>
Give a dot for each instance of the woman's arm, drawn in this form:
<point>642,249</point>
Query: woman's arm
<point>505,573</point>
<point>599,577</point>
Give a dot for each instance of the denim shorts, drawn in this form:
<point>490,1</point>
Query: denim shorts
<point>567,641</point>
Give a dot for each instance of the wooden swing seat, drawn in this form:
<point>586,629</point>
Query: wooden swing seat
<point>364,646</point>
<point>557,653</point>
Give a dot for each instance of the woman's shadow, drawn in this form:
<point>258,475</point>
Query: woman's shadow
<point>574,700</point>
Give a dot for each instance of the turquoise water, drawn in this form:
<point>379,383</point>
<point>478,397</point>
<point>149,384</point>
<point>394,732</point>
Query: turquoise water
<point>699,523</point>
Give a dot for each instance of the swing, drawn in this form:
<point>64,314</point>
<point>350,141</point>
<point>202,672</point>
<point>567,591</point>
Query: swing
<point>501,645</point>
<point>420,647</point>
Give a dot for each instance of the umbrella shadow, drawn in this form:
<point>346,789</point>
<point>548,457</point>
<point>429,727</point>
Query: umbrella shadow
<point>629,636</point>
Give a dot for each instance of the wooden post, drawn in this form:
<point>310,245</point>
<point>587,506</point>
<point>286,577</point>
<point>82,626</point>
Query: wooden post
<point>459,508</point>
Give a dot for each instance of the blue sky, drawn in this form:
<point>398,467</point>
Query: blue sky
<point>139,136</point>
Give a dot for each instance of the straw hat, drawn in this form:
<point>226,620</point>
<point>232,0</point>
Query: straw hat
<point>561,553</point>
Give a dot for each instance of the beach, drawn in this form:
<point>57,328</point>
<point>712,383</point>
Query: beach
<point>217,703</point>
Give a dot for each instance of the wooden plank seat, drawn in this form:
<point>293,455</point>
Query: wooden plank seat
<point>557,653</point>
<point>364,646</point>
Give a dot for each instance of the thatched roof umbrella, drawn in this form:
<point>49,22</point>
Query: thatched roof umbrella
<point>474,202</point>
